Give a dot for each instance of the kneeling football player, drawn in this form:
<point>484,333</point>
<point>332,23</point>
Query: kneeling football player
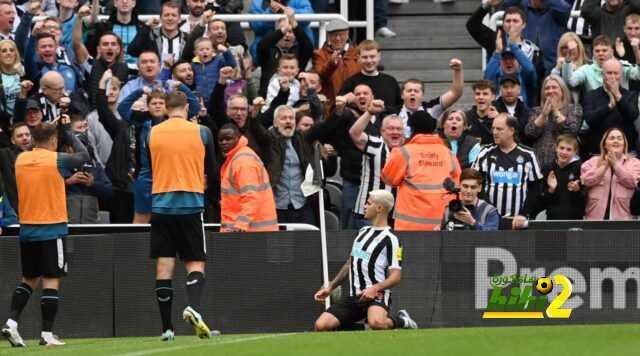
<point>375,268</point>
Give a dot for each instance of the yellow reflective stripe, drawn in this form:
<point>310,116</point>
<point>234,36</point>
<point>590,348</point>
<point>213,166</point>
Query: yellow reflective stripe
<point>254,224</point>
<point>424,186</point>
<point>416,219</point>
<point>233,189</point>
<point>405,153</point>
<point>453,162</point>
<point>255,188</point>
<point>386,178</point>
<point>264,223</point>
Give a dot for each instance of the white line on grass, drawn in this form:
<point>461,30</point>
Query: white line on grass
<point>176,348</point>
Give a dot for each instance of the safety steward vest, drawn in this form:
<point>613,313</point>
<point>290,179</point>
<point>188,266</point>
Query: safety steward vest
<point>177,157</point>
<point>418,168</point>
<point>247,198</point>
<point>41,190</point>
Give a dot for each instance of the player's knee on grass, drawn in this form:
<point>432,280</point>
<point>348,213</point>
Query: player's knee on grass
<point>326,322</point>
<point>378,323</point>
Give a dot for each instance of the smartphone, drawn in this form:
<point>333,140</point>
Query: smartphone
<point>197,94</point>
<point>87,168</point>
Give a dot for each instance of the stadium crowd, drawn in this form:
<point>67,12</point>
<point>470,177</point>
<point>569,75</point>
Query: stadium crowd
<point>551,130</point>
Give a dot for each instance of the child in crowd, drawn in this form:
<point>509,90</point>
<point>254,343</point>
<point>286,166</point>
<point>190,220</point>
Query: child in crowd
<point>288,69</point>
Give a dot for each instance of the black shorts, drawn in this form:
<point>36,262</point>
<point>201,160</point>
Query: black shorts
<point>182,234</point>
<point>44,258</point>
<point>351,310</point>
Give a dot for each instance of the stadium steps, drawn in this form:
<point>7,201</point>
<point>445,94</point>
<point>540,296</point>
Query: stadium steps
<point>429,35</point>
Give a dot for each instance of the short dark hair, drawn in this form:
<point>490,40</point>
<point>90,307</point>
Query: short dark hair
<point>601,40</point>
<point>44,35</point>
<point>17,125</point>
<point>470,173</point>
<point>230,126</point>
<point>483,84</point>
<point>43,132</point>
<point>288,57</point>
<point>172,4</point>
<point>150,51</point>
<point>76,117</point>
<point>176,99</point>
<point>413,81</point>
<point>515,10</point>
<point>178,63</point>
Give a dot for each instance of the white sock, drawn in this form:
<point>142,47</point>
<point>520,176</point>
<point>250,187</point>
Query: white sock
<point>46,335</point>
<point>12,323</point>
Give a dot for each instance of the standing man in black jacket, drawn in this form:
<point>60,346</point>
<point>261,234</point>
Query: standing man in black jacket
<point>510,102</point>
<point>288,157</point>
<point>610,106</point>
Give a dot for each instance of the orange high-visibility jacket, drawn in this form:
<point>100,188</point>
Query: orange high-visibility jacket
<point>418,168</point>
<point>247,198</point>
<point>41,190</point>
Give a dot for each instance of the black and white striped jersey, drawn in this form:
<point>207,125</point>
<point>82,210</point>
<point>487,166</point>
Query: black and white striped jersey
<point>507,176</point>
<point>375,156</point>
<point>375,250</point>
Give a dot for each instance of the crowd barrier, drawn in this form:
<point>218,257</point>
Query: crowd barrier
<point>264,282</point>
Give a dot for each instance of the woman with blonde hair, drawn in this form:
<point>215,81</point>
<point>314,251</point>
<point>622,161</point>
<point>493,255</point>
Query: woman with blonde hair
<point>610,179</point>
<point>556,115</point>
<point>571,50</point>
<point>11,69</point>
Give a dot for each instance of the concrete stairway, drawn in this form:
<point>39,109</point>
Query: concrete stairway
<point>429,35</point>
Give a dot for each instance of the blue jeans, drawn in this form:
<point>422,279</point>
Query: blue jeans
<point>349,195</point>
<point>379,13</point>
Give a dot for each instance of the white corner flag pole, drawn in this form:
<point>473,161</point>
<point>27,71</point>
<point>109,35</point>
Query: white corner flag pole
<point>319,180</point>
<point>323,241</point>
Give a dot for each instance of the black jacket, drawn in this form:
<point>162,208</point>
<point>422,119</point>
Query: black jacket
<point>600,118</point>
<point>465,143</point>
<point>562,204</point>
<point>269,53</point>
<point>120,70</point>
<point>275,152</point>
<point>121,162</point>
<point>218,112</point>
<point>480,129</point>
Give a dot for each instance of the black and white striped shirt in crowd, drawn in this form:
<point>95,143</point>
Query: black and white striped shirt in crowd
<point>50,111</point>
<point>507,175</point>
<point>578,24</point>
<point>373,159</point>
<point>375,250</point>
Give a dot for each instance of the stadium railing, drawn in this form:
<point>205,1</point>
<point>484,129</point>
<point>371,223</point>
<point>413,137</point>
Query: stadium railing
<point>317,20</point>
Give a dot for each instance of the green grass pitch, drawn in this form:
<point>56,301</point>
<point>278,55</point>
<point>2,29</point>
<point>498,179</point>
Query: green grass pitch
<point>620,339</point>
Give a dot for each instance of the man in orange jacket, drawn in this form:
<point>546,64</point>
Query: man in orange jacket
<point>337,60</point>
<point>418,168</point>
<point>247,198</point>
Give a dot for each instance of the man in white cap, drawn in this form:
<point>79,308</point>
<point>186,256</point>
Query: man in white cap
<point>375,261</point>
<point>337,60</point>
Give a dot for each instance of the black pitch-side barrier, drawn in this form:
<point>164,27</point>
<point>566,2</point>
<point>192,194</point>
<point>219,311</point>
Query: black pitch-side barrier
<point>264,282</point>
